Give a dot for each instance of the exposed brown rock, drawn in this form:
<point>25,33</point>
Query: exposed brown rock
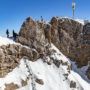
<point>35,55</point>
<point>57,62</point>
<point>66,34</point>
<point>71,37</point>
<point>32,33</point>
<point>49,62</point>
<point>11,86</point>
<point>8,59</point>
<point>39,81</point>
<point>11,55</point>
<point>24,83</point>
<point>65,63</point>
<point>47,30</point>
<point>72,84</point>
<point>35,34</point>
<point>86,32</point>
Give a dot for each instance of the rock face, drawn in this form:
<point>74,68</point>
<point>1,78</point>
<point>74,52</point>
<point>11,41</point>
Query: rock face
<point>10,56</point>
<point>86,33</point>
<point>39,81</point>
<point>11,86</point>
<point>33,34</point>
<point>72,84</point>
<point>71,37</point>
<point>67,35</point>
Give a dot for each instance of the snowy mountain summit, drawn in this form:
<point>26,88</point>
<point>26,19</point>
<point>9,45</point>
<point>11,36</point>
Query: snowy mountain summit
<point>45,57</point>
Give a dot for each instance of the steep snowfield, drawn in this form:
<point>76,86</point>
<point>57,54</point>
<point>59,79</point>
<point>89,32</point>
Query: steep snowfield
<point>5,41</point>
<point>52,76</point>
<point>81,71</point>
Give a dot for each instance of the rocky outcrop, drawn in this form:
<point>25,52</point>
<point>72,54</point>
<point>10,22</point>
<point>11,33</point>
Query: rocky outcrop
<point>9,58</point>
<point>71,37</point>
<point>39,81</point>
<point>11,86</point>
<point>72,84</point>
<point>11,55</point>
<point>67,35</point>
<point>86,33</point>
<point>34,34</point>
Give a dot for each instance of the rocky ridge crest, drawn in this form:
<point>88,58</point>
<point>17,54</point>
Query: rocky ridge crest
<point>66,34</point>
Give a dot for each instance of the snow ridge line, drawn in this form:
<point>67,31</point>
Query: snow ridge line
<point>33,77</point>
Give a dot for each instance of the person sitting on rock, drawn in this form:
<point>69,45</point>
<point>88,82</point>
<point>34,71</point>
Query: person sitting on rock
<point>14,35</point>
<point>7,32</point>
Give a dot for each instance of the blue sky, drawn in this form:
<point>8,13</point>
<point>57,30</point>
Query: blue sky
<point>14,12</point>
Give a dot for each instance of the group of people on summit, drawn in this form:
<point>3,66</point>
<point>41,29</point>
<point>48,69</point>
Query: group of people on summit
<point>14,34</point>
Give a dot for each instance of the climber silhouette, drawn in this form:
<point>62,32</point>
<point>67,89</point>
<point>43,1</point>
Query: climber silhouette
<point>7,32</point>
<point>14,35</point>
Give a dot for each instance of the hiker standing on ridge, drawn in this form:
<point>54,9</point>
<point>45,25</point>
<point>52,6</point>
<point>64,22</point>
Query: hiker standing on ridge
<point>14,35</point>
<point>7,32</point>
<point>42,19</point>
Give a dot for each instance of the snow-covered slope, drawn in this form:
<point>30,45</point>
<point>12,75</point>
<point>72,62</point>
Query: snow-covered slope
<point>5,41</point>
<point>82,21</point>
<point>54,78</point>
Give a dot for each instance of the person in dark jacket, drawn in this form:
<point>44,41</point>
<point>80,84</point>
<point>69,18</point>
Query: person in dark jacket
<point>7,32</point>
<point>14,35</point>
<point>41,18</point>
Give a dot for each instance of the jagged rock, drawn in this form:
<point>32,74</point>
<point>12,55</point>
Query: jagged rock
<point>72,84</point>
<point>35,55</point>
<point>30,54</point>
<point>11,86</point>
<point>26,52</point>
<point>47,30</point>
<point>49,62</point>
<point>43,56</point>
<point>24,83</point>
<point>66,75</point>
<point>11,55</point>
<point>9,59</point>
<point>23,41</point>
<point>86,33</point>
<point>66,34</point>
<point>57,62</point>
<point>32,34</point>
<point>69,68</point>
<point>65,63</point>
<point>39,81</point>
<point>1,55</point>
<point>35,34</point>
